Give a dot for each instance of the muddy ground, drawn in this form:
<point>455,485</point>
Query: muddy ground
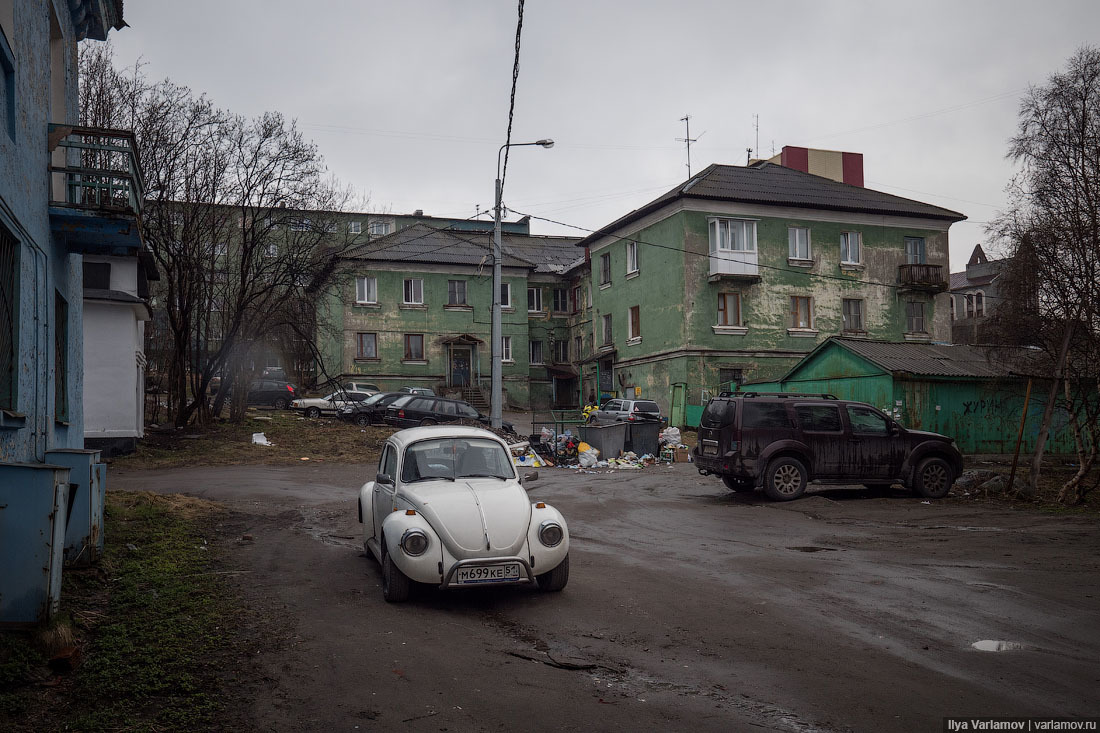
<point>688,607</point>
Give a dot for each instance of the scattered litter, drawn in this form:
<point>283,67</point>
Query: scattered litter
<point>988,645</point>
<point>261,439</point>
<point>303,458</point>
<point>926,502</point>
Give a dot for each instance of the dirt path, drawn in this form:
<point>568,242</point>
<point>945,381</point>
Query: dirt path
<point>688,608</point>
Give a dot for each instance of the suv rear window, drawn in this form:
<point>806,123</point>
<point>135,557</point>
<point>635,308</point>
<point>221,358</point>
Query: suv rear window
<point>764,415</point>
<point>819,418</point>
<point>717,414</point>
<point>646,407</point>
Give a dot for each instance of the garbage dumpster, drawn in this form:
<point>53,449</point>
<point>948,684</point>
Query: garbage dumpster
<point>609,440</point>
<point>644,437</point>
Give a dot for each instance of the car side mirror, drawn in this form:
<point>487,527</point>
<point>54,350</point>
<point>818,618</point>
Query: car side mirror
<point>529,476</point>
<point>382,478</point>
<point>895,429</point>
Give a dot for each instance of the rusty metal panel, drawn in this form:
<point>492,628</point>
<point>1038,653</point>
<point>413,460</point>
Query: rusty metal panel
<point>83,536</point>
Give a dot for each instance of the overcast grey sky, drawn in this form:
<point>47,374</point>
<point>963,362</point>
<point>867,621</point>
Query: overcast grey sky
<point>408,101</point>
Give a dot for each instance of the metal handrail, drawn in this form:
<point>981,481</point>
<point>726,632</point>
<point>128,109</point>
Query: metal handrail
<point>111,179</point>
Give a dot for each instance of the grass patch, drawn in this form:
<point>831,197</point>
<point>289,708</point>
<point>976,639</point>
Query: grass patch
<point>227,444</point>
<point>153,626</point>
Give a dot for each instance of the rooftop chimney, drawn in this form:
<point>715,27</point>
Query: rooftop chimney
<point>843,167</point>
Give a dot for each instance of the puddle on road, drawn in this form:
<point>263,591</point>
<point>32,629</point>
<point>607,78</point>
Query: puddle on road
<point>988,645</point>
<point>810,548</point>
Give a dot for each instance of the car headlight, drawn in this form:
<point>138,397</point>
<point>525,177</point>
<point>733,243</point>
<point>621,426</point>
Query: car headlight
<point>414,542</point>
<point>550,533</point>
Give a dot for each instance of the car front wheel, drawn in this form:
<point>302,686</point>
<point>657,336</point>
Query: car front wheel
<point>313,412</point>
<point>362,421</point>
<point>934,478</point>
<point>395,584</point>
<point>737,484</point>
<point>786,479</point>
<point>555,580</point>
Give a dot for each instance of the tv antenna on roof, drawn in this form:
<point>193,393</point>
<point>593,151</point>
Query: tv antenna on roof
<point>687,139</point>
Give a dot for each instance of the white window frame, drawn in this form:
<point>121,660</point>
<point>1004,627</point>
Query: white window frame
<point>460,297</point>
<point>631,257</point>
<point>355,227</point>
<point>916,250</point>
<point>408,356</point>
<point>534,358</point>
<point>378,227</point>
<point>723,299</point>
<point>410,287</point>
<point>563,301</point>
<point>359,345</point>
<point>732,235</point>
<point>809,312</point>
<point>506,295</point>
<point>607,327</point>
<point>561,351</point>
<point>909,318</point>
<point>845,316</point>
<point>506,348</point>
<point>538,300</point>
<point>631,334</point>
<point>796,242</point>
<point>366,290</point>
<point>847,239</point>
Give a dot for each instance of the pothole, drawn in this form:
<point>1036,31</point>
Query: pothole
<point>989,645</point>
<point>811,548</point>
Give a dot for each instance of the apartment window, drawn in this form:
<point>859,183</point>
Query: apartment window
<point>414,291</point>
<point>299,225</point>
<point>506,348</point>
<point>366,290</point>
<point>8,269</point>
<point>914,316</point>
<point>561,300</point>
<point>729,309</point>
<point>576,299</point>
<point>377,228</point>
<point>634,329</point>
<point>97,275</point>
<point>506,295</point>
<point>951,299</point>
<point>366,346</point>
<point>800,312</point>
<point>798,239</point>
<point>414,347</point>
<point>271,250</point>
<point>536,352</point>
<point>61,358</point>
<point>732,235</point>
<point>969,305</point>
<point>534,300</point>
<point>577,347</point>
<point>979,304</point>
<point>631,257</point>
<point>221,249</point>
<point>915,252</point>
<point>456,292</point>
<point>605,268</point>
<point>607,338</point>
<point>853,314</point>
<point>355,227</point>
<point>851,246</point>
<point>561,351</point>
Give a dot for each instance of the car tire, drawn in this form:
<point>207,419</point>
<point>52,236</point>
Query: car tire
<point>362,420</point>
<point>280,403</point>
<point>555,580</point>
<point>313,412</point>
<point>395,584</point>
<point>428,421</point>
<point>737,484</point>
<point>934,478</point>
<point>785,479</point>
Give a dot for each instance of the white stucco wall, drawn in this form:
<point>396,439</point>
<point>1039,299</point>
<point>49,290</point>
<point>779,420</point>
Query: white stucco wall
<point>113,371</point>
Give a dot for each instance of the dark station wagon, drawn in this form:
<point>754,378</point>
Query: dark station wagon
<point>782,441</point>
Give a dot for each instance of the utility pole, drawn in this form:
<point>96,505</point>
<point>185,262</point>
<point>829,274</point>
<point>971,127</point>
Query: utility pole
<point>687,139</point>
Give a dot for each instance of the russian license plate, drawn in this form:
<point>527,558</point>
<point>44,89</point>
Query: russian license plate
<point>487,574</point>
<point>710,450</point>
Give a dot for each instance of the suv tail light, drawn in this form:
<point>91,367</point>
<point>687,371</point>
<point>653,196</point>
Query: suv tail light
<point>290,388</point>
<point>401,413</point>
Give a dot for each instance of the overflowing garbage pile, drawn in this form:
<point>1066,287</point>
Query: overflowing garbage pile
<point>566,450</point>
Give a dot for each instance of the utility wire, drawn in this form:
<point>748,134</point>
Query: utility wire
<point>512,100</point>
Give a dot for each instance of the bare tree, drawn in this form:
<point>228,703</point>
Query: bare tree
<point>1052,232</point>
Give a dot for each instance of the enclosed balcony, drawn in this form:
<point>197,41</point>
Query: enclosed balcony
<point>922,277</point>
<point>96,189</point>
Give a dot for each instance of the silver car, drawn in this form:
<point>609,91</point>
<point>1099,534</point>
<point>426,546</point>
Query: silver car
<point>625,411</point>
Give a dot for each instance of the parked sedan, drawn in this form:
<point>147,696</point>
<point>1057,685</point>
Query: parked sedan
<point>446,508</point>
<point>412,410</point>
<point>370,411</point>
<point>330,404</point>
<point>625,411</point>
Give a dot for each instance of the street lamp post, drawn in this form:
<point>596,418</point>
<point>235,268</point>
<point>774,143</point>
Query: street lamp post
<point>496,386</point>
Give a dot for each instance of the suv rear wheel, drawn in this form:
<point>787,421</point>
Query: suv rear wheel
<point>934,478</point>
<point>737,484</point>
<point>785,479</point>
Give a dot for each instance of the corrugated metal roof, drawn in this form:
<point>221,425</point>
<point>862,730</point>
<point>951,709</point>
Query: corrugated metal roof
<point>423,244</point>
<point>771,184</point>
<point>947,360</point>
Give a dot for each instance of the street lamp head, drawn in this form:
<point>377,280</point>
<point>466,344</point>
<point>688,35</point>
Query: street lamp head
<point>547,143</point>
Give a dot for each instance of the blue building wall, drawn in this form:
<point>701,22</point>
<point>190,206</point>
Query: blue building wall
<point>45,268</point>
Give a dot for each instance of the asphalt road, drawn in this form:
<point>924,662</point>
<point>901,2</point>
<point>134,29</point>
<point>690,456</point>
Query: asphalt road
<point>688,607</point>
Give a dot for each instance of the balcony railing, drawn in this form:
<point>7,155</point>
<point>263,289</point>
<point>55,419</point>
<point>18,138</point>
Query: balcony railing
<point>922,277</point>
<point>95,169</point>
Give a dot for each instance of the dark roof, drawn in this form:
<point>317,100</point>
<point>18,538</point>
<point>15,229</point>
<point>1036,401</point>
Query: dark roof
<point>549,254</point>
<point>944,360</point>
<point>770,184</point>
<point>959,280</point>
<point>423,244</point>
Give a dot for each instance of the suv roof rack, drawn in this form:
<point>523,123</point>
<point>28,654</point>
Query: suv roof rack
<point>784,395</point>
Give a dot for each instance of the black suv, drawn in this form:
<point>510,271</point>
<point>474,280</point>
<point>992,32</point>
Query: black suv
<point>411,410</point>
<point>371,410</point>
<point>275,392</point>
<point>782,441</point>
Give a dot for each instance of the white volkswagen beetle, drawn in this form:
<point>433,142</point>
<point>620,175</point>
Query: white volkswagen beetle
<point>447,508</point>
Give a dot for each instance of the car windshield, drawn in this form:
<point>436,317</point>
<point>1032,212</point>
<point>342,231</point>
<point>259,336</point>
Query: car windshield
<point>402,401</point>
<point>375,398</point>
<point>455,458</point>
